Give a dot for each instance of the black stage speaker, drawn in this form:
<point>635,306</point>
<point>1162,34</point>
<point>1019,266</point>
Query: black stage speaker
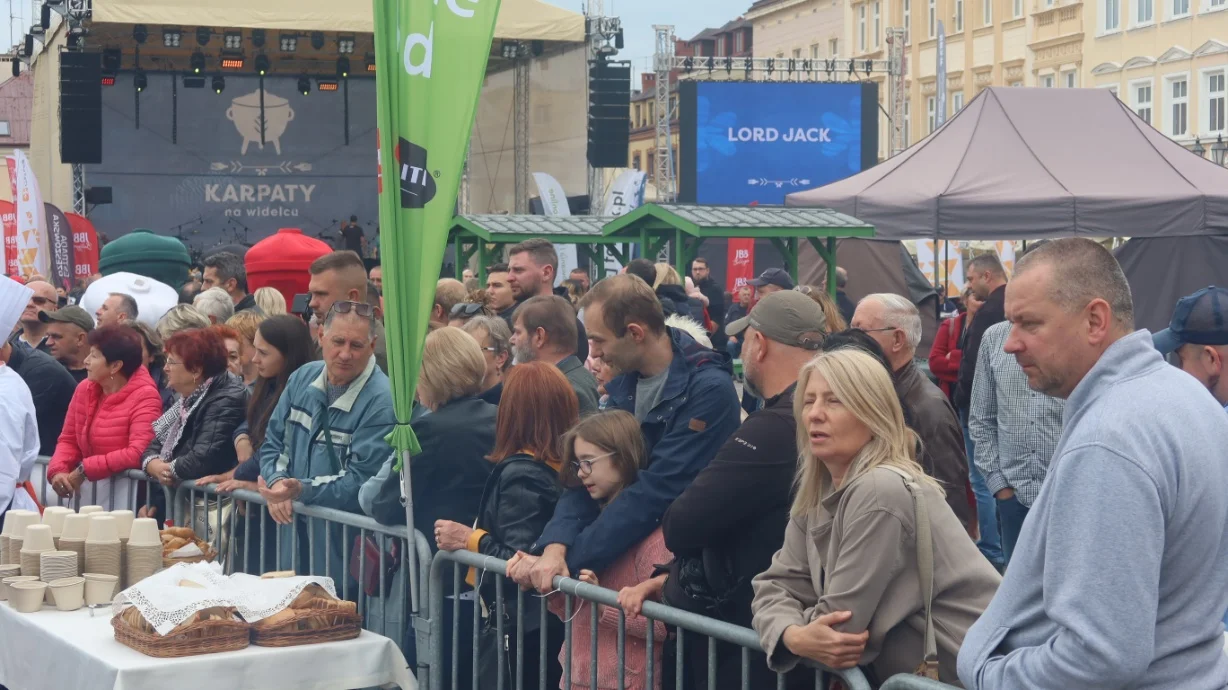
<point>80,107</point>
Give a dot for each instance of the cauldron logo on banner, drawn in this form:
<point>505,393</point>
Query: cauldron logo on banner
<point>244,111</point>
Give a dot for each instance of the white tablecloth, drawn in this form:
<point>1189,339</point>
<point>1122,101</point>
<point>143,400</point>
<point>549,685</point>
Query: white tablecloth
<point>55,650</point>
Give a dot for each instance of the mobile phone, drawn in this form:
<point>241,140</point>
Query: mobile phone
<point>302,306</point>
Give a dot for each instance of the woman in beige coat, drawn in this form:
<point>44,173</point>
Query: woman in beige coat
<point>845,589</point>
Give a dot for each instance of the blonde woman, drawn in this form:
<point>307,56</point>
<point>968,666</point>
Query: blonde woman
<point>845,589</point>
<point>181,317</point>
<point>246,323</point>
<point>270,301</point>
<point>673,297</point>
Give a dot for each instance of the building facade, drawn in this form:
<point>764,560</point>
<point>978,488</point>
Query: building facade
<point>1167,60</point>
<point>800,29</point>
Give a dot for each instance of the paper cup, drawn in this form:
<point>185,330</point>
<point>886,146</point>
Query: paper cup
<point>53,517</point>
<point>38,538</point>
<point>68,593</point>
<point>75,527</point>
<point>144,532</point>
<point>89,510</point>
<point>123,522</point>
<point>16,521</point>
<point>27,597</point>
<point>7,571</point>
<point>99,588</point>
<point>103,529</point>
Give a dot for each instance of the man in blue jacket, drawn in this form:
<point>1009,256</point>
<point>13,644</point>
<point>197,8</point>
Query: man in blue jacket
<point>681,392</point>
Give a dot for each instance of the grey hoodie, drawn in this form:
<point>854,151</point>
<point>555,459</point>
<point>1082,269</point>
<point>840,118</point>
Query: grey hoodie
<point>1120,576</point>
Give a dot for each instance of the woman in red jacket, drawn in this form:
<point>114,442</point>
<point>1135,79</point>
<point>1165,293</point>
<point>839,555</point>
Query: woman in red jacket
<point>948,346</point>
<point>109,424</point>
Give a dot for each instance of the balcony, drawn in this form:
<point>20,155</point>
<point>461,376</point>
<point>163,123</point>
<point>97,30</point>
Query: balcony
<point>1055,24</point>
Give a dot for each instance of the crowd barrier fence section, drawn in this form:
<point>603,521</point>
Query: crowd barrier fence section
<point>125,486</point>
<point>906,682</point>
<point>682,623</point>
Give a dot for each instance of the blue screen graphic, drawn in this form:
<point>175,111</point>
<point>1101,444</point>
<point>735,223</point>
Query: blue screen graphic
<point>759,142</point>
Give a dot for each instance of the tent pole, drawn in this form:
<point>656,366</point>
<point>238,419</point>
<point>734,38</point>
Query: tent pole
<point>412,546</point>
<point>831,266</point>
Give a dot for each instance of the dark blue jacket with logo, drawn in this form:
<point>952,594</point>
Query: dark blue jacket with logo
<point>697,413</point>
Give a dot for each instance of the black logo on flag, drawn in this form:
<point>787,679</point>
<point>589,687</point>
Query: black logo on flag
<point>417,185</point>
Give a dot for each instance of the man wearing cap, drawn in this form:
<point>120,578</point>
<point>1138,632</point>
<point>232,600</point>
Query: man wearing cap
<point>44,299</point>
<point>67,333</point>
<point>736,509</point>
<point>771,280</point>
<point>1198,334</point>
<point>19,441</point>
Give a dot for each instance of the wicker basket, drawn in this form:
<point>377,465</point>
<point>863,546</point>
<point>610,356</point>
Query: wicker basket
<point>206,637</point>
<point>308,626</point>
<point>209,555</point>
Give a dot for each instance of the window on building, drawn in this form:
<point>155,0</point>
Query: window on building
<point>1215,101</point>
<point>1017,9</point>
<point>4,128</point>
<point>635,161</point>
<point>1179,102</point>
<point>907,122</point>
<point>720,47</point>
<point>1180,8</point>
<point>878,23</point>
<point>739,42</point>
<point>797,53</point>
<point>907,21</point>
<point>1071,79</point>
<point>861,28</point>
<point>933,18</point>
<point>1016,83</point>
<point>1144,11</point>
<point>833,48</point>
<point>957,102</point>
<point>814,51</point>
<point>1217,4</point>
<point>1142,101</point>
<point>931,113</point>
<point>1046,81</point>
<point>987,12</point>
<point>1110,14</point>
<point>958,18</point>
<point>652,165</point>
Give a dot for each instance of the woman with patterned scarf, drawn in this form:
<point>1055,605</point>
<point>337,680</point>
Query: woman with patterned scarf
<point>194,437</point>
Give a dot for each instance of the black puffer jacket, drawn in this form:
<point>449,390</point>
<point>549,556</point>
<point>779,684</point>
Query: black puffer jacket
<point>206,445</point>
<point>674,300</point>
<point>517,502</point>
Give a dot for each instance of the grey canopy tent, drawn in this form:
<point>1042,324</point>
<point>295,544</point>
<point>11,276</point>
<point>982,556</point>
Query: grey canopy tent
<point>1022,163</point>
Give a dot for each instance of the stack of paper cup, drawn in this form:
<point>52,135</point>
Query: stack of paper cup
<point>15,523</point>
<point>144,551</point>
<point>123,524</point>
<point>102,549</point>
<point>38,539</point>
<point>53,516</point>
<point>57,565</point>
<point>90,510</point>
<point>72,538</point>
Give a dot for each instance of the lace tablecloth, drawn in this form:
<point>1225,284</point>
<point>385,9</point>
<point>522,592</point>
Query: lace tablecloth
<point>53,650</point>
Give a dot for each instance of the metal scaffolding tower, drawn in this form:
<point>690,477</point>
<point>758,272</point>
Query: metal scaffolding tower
<point>663,171</point>
<point>897,92</point>
<point>521,136</point>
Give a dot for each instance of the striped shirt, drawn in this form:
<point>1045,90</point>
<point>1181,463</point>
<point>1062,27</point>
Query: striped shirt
<point>1015,428</point>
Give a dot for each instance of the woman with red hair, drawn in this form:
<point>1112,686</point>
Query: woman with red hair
<point>538,407</point>
<point>109,423</point>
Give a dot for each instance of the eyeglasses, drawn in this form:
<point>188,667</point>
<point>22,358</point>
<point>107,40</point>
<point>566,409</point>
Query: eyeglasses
<point>804,289</point>
<point>467,309</point>
<point>360,308</point>
<point>586,465</point>
<point>42,301</point>
<point>879,330</point>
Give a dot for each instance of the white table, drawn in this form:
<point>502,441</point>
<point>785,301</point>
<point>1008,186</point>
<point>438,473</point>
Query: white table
<point>54,650</point>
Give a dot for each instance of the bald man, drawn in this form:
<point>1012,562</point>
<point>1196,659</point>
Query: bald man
<point>34,331</point>
<point>342,277</point>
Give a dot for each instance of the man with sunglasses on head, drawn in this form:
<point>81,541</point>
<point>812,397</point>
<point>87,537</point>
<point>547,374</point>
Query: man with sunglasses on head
<point>33,330</point>
<point>326,435</point>
<point>545,328</point>
<point>342,276</point>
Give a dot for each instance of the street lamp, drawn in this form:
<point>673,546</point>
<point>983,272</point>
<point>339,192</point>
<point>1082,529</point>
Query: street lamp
<point>1218,149</point>
<point>1197,149</point>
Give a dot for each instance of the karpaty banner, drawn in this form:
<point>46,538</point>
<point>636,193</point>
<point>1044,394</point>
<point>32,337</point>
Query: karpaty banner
<point>33,250</point>
<point>430,62</point>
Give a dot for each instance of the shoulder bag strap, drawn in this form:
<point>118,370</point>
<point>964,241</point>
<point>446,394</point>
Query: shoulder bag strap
<point>925,564</point>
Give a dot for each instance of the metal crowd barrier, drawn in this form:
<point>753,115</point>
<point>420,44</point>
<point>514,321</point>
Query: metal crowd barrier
<point>683,624</point>
<point>129,492</point>
<point>906,682</point>
<point>387,612</point>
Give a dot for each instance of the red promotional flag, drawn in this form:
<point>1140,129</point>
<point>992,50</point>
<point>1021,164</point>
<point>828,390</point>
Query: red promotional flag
<point>8,215</point>
<point>741,263</point>
<point>85,245</point>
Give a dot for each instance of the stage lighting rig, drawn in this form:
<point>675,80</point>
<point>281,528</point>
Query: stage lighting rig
<point>262,64</point>
<point>140,80</point>
<point>304,85</point>
<point>171,38</point>
<point>203,35</point>
<point>140,33</point>
<point>232,40</point>
<point>197,62</point>
<point>343,67</point>
<point>219,83</point>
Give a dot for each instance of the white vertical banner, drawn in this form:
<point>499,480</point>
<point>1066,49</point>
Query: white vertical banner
<point>554,203</point>
<point>33,249</point>
<point>626,195</point>
<point>1006,254</point>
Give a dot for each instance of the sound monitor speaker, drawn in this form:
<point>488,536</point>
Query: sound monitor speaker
<point>609,113</point>
<point>97,196</point>
<point>80,108</point>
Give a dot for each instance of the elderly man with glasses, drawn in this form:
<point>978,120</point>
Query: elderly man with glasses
<point>326,435</point>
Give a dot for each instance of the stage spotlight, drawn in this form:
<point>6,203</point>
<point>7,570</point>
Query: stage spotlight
<point>511,50</point>
<point>232,62</point>
<point>289,43</point>
<point>108,80</point>
<point>140,81</point>
<point>140,33</point>
<point>345,45</point>
<point>304,85</point>
<point>233,40</point>
<point>171,37</point>
<point>111,60</point>
<point>343,67</point>
<point>262,64</point>
<point>326,84</point>
<point>219,83</point>
<point>197,62</point>
<point>258,38</point>
<point>203,34</point>
<point>317,40</point>
<point>370,63</point>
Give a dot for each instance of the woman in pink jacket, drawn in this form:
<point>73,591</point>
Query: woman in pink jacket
<point>109,423</point>
<point>603,453</point>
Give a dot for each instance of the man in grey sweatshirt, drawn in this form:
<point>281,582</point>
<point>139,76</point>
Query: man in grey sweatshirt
<point>1120,575</point>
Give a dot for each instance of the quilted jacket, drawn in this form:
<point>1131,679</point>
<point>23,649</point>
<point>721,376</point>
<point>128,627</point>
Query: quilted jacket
<point>107,433</point>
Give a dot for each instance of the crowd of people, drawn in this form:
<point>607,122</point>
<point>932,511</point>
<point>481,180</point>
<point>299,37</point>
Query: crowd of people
<point>1040,514</point>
